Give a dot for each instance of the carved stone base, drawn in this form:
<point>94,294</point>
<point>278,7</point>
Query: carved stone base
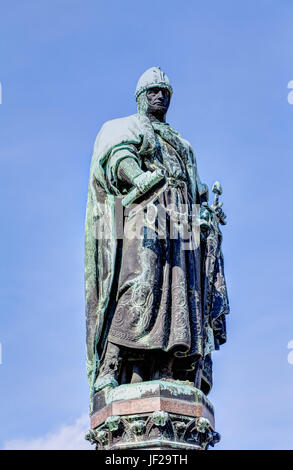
<point>152,415</point>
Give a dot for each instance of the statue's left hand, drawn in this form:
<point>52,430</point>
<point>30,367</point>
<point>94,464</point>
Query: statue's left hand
<point>217,208</point>
<point>207,212</point>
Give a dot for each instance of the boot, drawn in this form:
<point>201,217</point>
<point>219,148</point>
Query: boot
<point>109,371</point>
<point>164,368</point>
<point>137,373</point>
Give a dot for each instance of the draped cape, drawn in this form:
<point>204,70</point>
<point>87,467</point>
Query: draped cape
<point>101,236</point>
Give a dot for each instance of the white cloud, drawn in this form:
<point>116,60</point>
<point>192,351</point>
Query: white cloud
<point>67,437</point>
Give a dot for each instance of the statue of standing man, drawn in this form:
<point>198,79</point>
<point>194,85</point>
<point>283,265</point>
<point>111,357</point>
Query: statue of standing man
<point>156,296</point>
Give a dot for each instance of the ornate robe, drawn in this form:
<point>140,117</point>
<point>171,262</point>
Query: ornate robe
<point>151,291</point>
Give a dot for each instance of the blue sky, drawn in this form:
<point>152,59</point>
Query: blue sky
<point>67,66</point>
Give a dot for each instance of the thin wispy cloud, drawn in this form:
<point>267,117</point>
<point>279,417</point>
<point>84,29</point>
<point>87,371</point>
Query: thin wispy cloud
<point>66,437</point>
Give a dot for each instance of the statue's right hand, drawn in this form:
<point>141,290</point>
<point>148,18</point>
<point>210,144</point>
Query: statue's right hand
<point>142,183</point>
<point>146,180</point>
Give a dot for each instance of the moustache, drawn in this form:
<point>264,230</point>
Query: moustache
<point>160,103</point>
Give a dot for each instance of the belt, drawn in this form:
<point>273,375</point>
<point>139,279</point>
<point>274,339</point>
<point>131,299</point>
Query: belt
<point>175,182</point>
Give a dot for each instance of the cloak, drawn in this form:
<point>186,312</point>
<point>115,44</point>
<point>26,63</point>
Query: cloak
<point>101,237</point>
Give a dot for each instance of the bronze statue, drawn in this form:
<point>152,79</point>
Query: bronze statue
<point>156,296</point>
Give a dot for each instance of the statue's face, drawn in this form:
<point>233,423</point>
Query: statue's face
<point>158,100</point>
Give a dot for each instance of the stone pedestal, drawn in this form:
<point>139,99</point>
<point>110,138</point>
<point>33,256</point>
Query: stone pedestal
<point>152,415</point>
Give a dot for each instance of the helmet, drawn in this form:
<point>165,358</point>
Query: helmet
<point>153,77</point>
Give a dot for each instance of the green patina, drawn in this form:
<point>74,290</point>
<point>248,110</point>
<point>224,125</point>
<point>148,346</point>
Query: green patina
<point>154,310</point>
<point>143,389</point>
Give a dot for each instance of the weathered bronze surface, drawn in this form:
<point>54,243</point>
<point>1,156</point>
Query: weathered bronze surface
<point>151,415</point>
<point>156,295</point>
